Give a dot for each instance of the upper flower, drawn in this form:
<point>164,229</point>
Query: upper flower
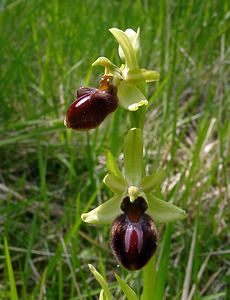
<point>92,105</point>
<point>134,186</point>
<point>129,76</point>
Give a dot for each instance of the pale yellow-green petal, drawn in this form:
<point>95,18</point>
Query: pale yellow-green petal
<point>162,211</point>
<point>130,97</point>
<point>116,184</point>
<point>105,213</point>
<point>151,182</point>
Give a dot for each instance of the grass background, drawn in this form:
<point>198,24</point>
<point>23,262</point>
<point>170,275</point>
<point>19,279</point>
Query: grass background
<point>50,175</point>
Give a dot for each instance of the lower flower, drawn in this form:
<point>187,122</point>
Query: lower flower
<point>134,208</point>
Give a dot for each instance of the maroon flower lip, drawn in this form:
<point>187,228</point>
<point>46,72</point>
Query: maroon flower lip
<point>133,235</point>
<point>92,106</point>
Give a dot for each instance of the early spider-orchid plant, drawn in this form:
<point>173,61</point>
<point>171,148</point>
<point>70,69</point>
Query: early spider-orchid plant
<point>134,211</point>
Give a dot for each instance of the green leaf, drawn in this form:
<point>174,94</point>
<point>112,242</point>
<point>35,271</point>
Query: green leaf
<point>111,164</point>
<point>13,289</point>
<point>105,213</point>
<point>214,296</point>
<point>101,281</point>
<point>42,284</point>
<point>162,211</point>
<point>133,155</point>
<point>116,184</point>
<point>130,97</point>
<point>128,50</point>
<point>163,269</point>
<point>129,293</point>
<point>151,182</point>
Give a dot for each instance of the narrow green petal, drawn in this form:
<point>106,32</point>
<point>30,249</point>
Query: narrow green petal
<point>100,279</point>
<point>130,97</point>
<point>124,42</point>
<point>139,75</point>
<point>129,293</point>
<point>133,155</point>
<point>110,67</point>
<point>162,211</point>
<point>151,182</point>
<point>105,213</point>
<point>116,184</point>
<point>105,62</point>
<point>111,164</point>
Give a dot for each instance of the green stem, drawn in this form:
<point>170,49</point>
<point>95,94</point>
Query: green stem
<point>138,117</point>
<point>149,275</point>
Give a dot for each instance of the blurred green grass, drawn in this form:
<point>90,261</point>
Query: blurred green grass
<point>50,175</point>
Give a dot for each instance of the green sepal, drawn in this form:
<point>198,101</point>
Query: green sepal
<point>111,164</point>
<point>133,156</point>
<point>116,184</point>
<point>128,50</point>
<point>134,38</point>
<point>162,211</point>
<point>151,182</point>
<point>130,97</point>
<point>129,293</point>
<point>100,279</point>
<point>104,213</point>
